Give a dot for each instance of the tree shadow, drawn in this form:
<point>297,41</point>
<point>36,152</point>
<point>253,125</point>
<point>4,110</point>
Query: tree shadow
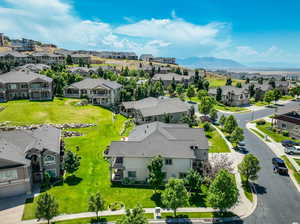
<point>73,180</point>
<point>156,197</point>
<point>138,186</point>
<point>259,189</point>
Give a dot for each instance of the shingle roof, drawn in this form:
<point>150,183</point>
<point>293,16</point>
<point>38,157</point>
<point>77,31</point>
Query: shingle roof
<point>19,76</point>
<point>167,140</point>
<point>151,106</point>
<point>15,144</point>
<point>13,53</point>
<point>33,67</point>
<point>170,76</point>
<point>93,83</point>
<point>227,89</point>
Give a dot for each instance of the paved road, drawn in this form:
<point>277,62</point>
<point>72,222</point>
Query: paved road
<point>278,199</point>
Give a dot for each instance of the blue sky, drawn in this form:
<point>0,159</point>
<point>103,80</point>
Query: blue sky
<point>247,31</point>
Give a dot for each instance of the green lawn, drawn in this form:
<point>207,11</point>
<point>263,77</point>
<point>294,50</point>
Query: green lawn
<point>261,103</point>
<point>298,161</point>
<point>258,133</point>
<point>247,189</point>
<point>231,109</point>
<point>101,219</point>
<point>191,215</point>
<point>93,174</point>
<point>292,169</point>
<point>218,81</point>
<point>286,97</point>
<point>217,143</point>
<point>277,137</point>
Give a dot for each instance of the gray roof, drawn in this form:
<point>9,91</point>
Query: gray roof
<point>170,76</point>
<point>151,106</point>
<point>93,83</point>
<point>13,53</point>
<point>20,77</point>
<point>227,89</point>
<point>82,69</point>
<point>15,144</point>
<point>33,67</point>
<point>167,140</point>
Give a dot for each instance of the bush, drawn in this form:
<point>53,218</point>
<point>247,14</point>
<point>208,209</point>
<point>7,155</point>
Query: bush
<point>206,126</point>
<point>285,133</point>
<point>116,206</point>
<point>260,122</point>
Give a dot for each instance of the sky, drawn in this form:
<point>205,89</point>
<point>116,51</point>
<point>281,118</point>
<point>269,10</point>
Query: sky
<point>248,31</point>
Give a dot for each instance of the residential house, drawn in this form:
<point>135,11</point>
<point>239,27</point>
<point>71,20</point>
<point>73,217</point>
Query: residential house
<point>26,155</point>
<point>97,91</point>
<point>164,60</point>
<point>146,57</point>
<point>47,58</point>
<point>168,78</point>
<point>84,71</point>
<point>288,119</point>
<point>155,109</point>
<point>14,57</point>
<point>84,58</point>
<point>232,96</point>
<point>25,85</point>
<point>33,68</point>
<point>182,148</point>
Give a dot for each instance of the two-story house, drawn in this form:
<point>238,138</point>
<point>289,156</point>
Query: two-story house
<point>168,78</point>
<point>25,85</point>
<point>182,148</point>
<point>26,155</point>
<point>97,91</point>
<point>231,95</point>
<point>155,109</point>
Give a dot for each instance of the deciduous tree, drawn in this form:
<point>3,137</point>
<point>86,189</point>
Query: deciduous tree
<point>134,216</point>
<point>47,207</point>
<point>249,167</point>
<point>230,124</point>
<point>72,162</point>
<point>156,176</point>
<point>96,204</point>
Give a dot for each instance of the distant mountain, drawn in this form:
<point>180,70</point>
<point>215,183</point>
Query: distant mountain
<point>266,64</point>
<point>209,63</point>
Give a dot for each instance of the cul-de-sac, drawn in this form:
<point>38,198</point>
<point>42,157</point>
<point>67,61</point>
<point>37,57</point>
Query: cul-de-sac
<point>122,112</point>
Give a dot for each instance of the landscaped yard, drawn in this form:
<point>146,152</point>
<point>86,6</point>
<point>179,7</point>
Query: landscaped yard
<point>93,174</point>
<point>267,129</point>
<point>231,109</point>
<point>216,142</point>
<point>217,81</point>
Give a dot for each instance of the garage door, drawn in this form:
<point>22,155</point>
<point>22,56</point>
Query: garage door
<point>13,190</point>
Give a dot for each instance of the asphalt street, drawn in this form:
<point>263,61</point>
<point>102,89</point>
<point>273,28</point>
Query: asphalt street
<point>278,199</point>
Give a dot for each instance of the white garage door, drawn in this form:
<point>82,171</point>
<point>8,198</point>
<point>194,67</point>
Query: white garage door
<point>13,190</point>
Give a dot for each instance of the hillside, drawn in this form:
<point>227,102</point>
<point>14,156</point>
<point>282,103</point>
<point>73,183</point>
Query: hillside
<point>209,63</point>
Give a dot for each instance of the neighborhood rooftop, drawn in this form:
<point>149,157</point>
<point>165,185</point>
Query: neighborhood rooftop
<point>167,140</point>
<point>20,77</point>
<point>93,83</point>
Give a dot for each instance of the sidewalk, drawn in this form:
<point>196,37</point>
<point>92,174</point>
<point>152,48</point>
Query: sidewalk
<point>277,148</point>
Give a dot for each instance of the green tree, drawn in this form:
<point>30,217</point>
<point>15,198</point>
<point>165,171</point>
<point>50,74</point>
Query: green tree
<point>72,162</point>
<point>269,96</point>
<point>237,135</point>
<point>222,120</point>
<point>201,93</point>
<point>96,204</point>
<point>295,92</point>
<point>175,195</point>
<point>69,60</point>
<point>239,85</point>
<point>47,207</point>
<point>190,92</point>
<point>230,124</point>
<point>179,89</point>
<point>156,176</point>
<point>205,85</point>
<point>249,167</point>
<point>167,118</point>
<point>223,192</point>
<point>213,114</point>
<point>219,94</point>
<point>277,94</point>
<point>193,181</point>
<point>206,104</point>
<point>228,82</point>
<point>134,216</point>
<point>247,80</point>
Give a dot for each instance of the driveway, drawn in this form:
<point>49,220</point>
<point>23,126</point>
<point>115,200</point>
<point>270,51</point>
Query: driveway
<point>11,210</point>
<point>278,198</point>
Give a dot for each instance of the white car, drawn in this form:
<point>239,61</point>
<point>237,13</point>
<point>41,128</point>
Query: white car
<point>292,150</point>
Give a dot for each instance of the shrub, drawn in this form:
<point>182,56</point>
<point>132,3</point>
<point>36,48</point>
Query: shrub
<point>285,133</point>
<point>116,205</point>
<point>206,126</point>
<point>260,122</point>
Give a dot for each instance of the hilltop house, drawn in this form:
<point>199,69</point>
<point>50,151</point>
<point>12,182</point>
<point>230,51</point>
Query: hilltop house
<point>169,77</point>
<point>182,148</point>
<point>288,120</point>
<point>84,71</point>
<point>25,155</point>
<point>232,96</point>
<point>25,85</point>
<point>155,109</point>
<point>97,91</point>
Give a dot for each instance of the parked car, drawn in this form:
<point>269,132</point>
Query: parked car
<point>242,144</point>
<point>288,143</point>
<point>279,166</point>
<point>292,150</point>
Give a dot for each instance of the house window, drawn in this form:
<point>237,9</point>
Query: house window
<point>168,161</point>
<point>283,126</point>
<point>132,174</point>
<point>8,175</point>
<point>182,175</point>
<point>49,159</point>
<point>12,86</point>
<point>51,172</point>
<point>24,86</point>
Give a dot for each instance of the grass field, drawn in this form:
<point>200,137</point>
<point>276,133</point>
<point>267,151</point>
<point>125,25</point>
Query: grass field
<point>216,142</point>
<point>93,174</point>
<point>298,161</point>
<point>231,109</point>
<point>247,189</point>
<point>217,81</point>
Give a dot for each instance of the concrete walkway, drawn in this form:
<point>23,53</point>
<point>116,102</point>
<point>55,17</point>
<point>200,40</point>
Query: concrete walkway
<point>277,148</point>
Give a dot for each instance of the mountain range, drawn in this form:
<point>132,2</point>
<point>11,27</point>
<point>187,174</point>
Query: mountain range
<point>209,63</point>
